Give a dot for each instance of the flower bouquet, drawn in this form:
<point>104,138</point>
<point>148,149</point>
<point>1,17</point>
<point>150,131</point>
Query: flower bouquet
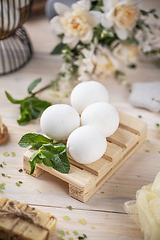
<point>99,38</point>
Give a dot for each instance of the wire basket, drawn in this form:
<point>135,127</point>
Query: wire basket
<point>15,46</point>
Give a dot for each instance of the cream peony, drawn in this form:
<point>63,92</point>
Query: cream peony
<point>76,23</point>
<point>97,61</point>
<point>127,53</point>
<point>122,15</point>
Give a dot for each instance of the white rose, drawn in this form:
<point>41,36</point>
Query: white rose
<point>122,15</point>
<point>76,23</point>
<point>127,53</point>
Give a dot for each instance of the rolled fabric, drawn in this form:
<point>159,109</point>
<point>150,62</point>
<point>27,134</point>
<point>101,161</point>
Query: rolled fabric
<point>10,16</point>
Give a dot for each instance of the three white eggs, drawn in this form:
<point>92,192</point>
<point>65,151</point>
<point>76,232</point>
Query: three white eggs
<point>99,119</point>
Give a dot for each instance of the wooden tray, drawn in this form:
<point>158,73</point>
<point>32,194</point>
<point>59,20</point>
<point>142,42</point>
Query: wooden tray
<point>85,180</point>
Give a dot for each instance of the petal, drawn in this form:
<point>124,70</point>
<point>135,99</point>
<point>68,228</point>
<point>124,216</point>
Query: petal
<point>61,8</point>
<point>71,42</point>
<point>97,16</point>
<point>106,23</point>
<point>56,25</point>
<point>88,37</point>
<point>108,4</point>
<point>122,34</point>
<point>84,4</point>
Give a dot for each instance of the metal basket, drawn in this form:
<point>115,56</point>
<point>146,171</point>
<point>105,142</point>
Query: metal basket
<point>15,46</point>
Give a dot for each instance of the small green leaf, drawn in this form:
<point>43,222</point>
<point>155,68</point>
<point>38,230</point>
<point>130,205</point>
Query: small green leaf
<point>13,100</point>
<point>156,16</point>
<point>58,49</point>
<point>33,85</point>
<point>33,160</point>
<point>31,139</point>
<point>47,158</point>
<point>62,162</point>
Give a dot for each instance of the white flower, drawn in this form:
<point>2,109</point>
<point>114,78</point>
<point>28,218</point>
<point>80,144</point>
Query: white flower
<point>76,23</point>
<point>97,61</point>
<point>127,53</point>
<point>148,38</point>
<point>122,15</point>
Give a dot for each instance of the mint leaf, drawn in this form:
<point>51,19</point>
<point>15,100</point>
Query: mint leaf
<point>33,160</point>
<point>55,149</point>
<point>33,85</point>
<point>62,162</point>
<point>13,100</point>
<point>33,139</point>
<point>47,158</point>
<point>58,49</point>
<point>30,107</point>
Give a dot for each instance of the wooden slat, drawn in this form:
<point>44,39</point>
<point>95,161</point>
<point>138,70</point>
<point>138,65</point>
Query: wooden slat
<point>122,138</point>
<point>76,176</point>
<point>132,124</point>
<point>88,193</point>
<point>112,152</point>
<point>95,168</point>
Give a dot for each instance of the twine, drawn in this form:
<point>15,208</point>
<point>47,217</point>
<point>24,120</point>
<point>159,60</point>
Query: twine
<point>14,212</point>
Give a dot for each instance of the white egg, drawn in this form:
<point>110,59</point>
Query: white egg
<point>86,93</point>
<point>59,120</point>
<point>86,144</point>
<point>102,115</point>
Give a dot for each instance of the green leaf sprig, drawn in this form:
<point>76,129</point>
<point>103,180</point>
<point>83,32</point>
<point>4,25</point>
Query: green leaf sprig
<point>50,154</point>
<point>30,107</point>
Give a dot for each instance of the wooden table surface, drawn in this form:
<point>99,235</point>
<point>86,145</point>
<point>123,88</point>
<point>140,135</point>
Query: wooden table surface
<point>103,211</point>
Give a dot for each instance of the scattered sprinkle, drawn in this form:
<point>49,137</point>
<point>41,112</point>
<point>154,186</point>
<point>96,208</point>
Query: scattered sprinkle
<point>20,170</point>
<point>93,227</point>
<point>82,221</point>
<point>2,186</point>
<point>8,176</point>
<point>4,163</point>
<point>102,192</point>
<point>55,95</point>
<point>39,191</point>
<point>1,165</point>
<point>13,154</point>
<point>6,154</point>
<point>157,125</point>
<point>61,232</point>
<point>84,236</point>
<point>75,233</point>
<point>19,183</point>
<point>140,116</point>
<point>3,175</point>
<point>67,232</point>
<point>159,151</point>
<point>66,218</point>
<point>148,141</point>
<point>61,238</point>
<point>147,150</point>
<point>65,95</point>
<point>70,208</point>
<point>71,238</point>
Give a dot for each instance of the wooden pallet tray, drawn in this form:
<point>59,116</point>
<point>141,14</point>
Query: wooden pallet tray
<point>85,180</point>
